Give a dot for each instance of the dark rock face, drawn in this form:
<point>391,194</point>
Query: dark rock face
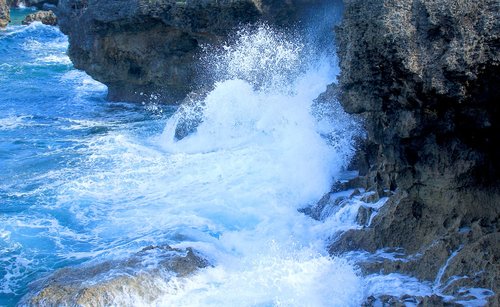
<point>103,284</point>
<point>148,49</point>
<point>13,3</point>
<point>4,14</point>
<point>40,3</point>
<point>424,74</point>
<point>45,17</point>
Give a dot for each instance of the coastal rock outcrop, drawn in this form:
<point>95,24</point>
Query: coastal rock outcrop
<point>115,282</point>
<point>4,14</point>
<point>39,4</point>
<point>146,50</point>
<point>425,75</point>
<point>45,17</point>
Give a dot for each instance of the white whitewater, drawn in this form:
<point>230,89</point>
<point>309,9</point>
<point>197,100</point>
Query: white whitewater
<point>231,188</point>
<point>257,156</point>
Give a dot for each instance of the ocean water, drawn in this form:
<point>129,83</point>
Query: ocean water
<point>85,181</point>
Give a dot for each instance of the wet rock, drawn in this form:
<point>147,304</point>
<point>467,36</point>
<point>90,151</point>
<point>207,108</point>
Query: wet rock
<point>45,17</point>
<point>424,75</point>
<point>4,14</point>
<point>110,282</point>
<point>14,3</point>
<point>39,4</point>
<point>143,49</point>
<point>370,197</point>
<point>364,214</point>
<point>408,300</point>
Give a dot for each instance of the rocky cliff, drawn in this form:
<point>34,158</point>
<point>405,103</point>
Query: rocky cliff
<point>142,48</point>
<point>39,4</point>
<point>424,74</point>
<point>4,14</point>
<point>36,3</point>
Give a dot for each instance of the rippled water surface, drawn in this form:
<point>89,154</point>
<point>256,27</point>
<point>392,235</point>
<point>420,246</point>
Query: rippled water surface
<point>84,179</point>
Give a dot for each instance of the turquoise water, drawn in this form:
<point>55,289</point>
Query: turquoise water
<point>49,115</point>
<point>17,15</point>
<point>85,180</point>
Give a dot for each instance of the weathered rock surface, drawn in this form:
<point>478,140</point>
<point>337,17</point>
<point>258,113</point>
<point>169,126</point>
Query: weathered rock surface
<point>45,17</point>
<point>4,14</point>
<point>145,49</point>
<point>115,282</point>
<point>424,74</point>
<point>39,4</point>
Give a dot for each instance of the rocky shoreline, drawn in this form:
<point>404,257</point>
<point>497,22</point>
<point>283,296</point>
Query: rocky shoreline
<point>103,284</point>
<point>46,15</point>
<point>4,14</point>
<point>149,50</point>
<point>423,75</point>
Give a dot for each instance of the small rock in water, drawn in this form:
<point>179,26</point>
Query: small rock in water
<point>190,117</point>
<point>45,17</point>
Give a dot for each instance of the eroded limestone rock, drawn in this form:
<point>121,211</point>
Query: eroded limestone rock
<point>148,50</point>
<point>4,14</point>
<point>424,74</point>
<point>45,17</point>
<point>115,282</point>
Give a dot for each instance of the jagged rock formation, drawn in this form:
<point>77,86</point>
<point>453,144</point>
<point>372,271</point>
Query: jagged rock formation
<point>40,3</point>
<point>425,76</point>
<point>111,282</point>
<point>142,48</point>
<point>4,14</point>
<point>45,17</point>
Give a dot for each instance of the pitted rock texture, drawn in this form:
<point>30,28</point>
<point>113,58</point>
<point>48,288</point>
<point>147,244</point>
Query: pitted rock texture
<point>424,74</point>
<point>45,17</point>
<point>39,4</point>
<point>115,282</point>
<point>4,14</point>
<point>145,49</point>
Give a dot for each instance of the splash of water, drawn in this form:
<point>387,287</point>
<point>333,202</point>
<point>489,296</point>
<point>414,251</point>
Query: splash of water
<point>230,188</point>
<point>263,127</point>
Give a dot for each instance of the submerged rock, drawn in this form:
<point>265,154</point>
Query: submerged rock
<point>115,282</point>
<point>4,14</point>
<point>145,50</point>
<point>45,17</point>
<point>424,74</point>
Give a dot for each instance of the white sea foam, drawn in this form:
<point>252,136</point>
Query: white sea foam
<point>84,83</point>
<point>231,189</point>
<point>12,122</point>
